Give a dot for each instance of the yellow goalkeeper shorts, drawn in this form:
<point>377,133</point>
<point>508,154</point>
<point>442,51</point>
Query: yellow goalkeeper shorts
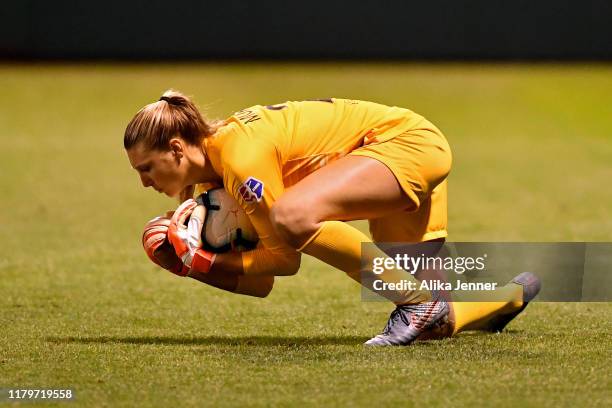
<point>420,159</point>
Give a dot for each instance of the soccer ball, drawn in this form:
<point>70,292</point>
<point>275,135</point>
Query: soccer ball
<point>226,225</point>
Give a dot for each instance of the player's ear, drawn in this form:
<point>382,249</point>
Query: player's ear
<point>177,147</point>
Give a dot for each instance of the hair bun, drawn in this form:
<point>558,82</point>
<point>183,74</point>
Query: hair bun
<point>175,98</point>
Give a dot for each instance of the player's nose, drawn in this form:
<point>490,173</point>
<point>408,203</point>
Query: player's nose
<point>146,181</point>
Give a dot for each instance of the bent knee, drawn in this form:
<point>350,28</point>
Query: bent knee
<point>293,221</point>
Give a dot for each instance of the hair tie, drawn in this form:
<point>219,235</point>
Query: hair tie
<point>165,98</point>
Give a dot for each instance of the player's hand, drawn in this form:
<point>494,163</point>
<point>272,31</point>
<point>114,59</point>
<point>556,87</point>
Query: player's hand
<point>158,248</point>
<point>186,240</point>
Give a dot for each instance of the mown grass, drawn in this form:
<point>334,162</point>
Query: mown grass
<point>81,307</point>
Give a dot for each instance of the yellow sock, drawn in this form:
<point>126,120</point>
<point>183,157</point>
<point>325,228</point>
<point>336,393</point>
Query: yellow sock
<point>339,245</point>
<point>470,315</point>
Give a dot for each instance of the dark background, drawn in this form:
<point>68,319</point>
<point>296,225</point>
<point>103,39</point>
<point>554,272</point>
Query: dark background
<point>190,29</point>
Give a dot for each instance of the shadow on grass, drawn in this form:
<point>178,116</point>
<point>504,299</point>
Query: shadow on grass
<point>214,340</point>
<point>484,333</point>
<point>239,340</point>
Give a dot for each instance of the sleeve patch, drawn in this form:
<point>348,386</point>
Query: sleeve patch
<point>252,190</point>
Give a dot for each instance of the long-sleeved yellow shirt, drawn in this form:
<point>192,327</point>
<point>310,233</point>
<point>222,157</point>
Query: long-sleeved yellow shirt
<point>262,150</point>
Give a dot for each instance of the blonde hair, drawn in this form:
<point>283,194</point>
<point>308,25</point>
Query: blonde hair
<point>174,114</point>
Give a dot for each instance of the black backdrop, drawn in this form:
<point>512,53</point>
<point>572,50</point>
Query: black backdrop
<point>190,29</point>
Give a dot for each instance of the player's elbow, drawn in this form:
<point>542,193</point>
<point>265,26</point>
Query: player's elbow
<point>256,286</point>
<point>289,265</point>
<point>264,292</point>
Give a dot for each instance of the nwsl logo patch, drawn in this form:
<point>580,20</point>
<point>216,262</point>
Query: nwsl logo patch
<point>252,190</point>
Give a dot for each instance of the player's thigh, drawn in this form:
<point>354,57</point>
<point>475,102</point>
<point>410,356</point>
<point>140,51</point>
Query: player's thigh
<point>375,180</point>
<point>350,188</point>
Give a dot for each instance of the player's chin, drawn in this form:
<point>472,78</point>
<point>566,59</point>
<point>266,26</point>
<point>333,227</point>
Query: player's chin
<point>171,192</point>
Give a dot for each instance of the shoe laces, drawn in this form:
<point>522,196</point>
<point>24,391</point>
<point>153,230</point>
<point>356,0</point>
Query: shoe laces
<point>397,314</point>
<point>406,312</point>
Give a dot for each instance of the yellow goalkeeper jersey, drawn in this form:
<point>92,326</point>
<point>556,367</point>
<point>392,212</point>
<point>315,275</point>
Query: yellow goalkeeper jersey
<point>262,150</point>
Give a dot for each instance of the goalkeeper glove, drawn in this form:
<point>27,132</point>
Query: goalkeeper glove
<point>187,240</point>
<point>157,247</point>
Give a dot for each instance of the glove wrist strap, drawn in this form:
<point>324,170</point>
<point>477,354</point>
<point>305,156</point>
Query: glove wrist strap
<point>202,261</point>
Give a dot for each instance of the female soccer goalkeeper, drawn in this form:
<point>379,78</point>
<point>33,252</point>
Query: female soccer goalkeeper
<point>299,169</point>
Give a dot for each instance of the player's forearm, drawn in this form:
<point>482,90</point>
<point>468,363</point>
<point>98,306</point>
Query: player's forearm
<point>218,279</point>
<point>257,286</point>
<point>260,262</point>
<point>228,262</point>
<point>263,262</point>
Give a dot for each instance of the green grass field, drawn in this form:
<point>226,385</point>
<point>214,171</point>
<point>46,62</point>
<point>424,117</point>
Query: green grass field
<point>81,307</point>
